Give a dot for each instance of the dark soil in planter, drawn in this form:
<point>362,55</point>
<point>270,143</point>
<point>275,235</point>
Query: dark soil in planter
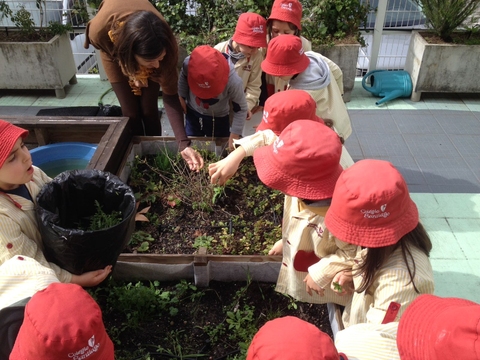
<point>187,212</point>
<point>458,37</point>
<point>18,36</point>
<point>177,320</point>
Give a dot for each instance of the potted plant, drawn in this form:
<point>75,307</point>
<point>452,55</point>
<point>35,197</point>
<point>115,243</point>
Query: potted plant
<point>444,58</point>
<point>32,55</point>
<point>333,27</point>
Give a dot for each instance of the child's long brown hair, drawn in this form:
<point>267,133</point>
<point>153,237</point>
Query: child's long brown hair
<point>146,35</point>
<point>376,257</point>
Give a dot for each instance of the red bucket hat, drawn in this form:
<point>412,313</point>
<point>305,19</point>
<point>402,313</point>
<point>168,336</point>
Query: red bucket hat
<point>251,30</point>
<point>434,328</point>
<point>287,10</point>
<point>62,322</point>
<point>290,338</point>
<point>208,72</point>
<point>285,56</point>
<point>371,205</point>
<point>9,135</point>
<point>303,162</point>
<point>284,107</point>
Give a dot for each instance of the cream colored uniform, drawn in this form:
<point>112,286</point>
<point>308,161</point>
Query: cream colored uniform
<point>250,71</point>
<point>303,230</point>
<point>19,234</point>
<point>392,284</point>
<point>369,341</point>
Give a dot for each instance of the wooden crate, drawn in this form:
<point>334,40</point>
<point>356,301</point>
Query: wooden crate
<point>111,134</point>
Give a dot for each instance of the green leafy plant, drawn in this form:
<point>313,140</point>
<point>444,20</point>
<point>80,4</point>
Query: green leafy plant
<point>203,241</point>
<point>326,22</point>
<point>101,220</point>
<point>337,286</point>
<point>141,240</point>
<point>445,17</point>
<point>23,20</point>
<point>207,21</point>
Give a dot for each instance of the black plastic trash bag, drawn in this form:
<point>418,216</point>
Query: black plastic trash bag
<point>69,200</point>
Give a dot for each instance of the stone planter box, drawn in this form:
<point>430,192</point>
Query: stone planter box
<point>38,65</point>
<point>448,68</point>
<point>345,56</point>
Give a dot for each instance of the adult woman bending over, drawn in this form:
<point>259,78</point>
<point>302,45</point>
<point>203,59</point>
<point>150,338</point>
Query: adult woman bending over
<point>139,53</point>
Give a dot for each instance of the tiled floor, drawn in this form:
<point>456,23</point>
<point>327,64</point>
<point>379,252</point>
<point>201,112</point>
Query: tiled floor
<point>435,143</point>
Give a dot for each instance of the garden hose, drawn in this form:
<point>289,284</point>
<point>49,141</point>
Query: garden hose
<point>100,99</point>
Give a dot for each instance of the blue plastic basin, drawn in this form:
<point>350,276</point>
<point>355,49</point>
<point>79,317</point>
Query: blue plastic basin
<point>60,157</point>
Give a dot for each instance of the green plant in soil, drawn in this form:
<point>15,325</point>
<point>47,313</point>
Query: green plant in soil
<point>23,21</point>
<point>187,212</point>
<point>101,220</point>
<point>150,320</point>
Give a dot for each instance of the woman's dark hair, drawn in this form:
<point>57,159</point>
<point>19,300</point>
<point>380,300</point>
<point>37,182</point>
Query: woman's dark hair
<point>376,257</point>
<point>146,35</point>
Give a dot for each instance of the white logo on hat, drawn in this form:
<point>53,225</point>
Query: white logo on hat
<point>286,6</point>
<point>277,145</point>
<point>258,29</point>
<point>375,213</point>
<point>265,116</point>
<point>301,51</point>
<point>205,85</point>
<point>86,351</point>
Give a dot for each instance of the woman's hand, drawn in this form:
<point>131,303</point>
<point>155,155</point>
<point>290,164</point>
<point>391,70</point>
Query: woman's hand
<point>224,169</point>
<point>342,283</point>
<point>92,278</point>
<point>312,285</point>
<point>193,158</point>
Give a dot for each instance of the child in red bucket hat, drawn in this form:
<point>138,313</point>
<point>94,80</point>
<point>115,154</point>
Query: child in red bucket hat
<point>20,278</point>
<point>371,208</point>
<point>304,164</point>
<point>207,85</point>
<point>285,19</point>
<point>20,183</point>
<point>242,48</point>
<point>290,338</point>
<point>62,322</point>
<point>311,72</point>
<point>434,328</point>
<point>431,328</point>
<point>280,110</point>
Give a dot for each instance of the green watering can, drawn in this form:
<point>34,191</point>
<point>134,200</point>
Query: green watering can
<point>388,84</point>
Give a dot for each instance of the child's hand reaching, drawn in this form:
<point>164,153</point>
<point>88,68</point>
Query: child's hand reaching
<point>342,283</point>
<point>277,248</point>
<point>91,278</point>
<point>312,285</point>
<point>224,169</point>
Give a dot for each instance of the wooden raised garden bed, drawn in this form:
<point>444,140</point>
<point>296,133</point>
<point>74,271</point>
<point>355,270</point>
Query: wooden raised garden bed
<point>201,267</point>
<point>111,134</point>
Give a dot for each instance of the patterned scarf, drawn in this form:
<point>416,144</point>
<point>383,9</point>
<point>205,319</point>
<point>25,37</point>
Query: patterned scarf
<point>141,75</point>
<point>234,56</point>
